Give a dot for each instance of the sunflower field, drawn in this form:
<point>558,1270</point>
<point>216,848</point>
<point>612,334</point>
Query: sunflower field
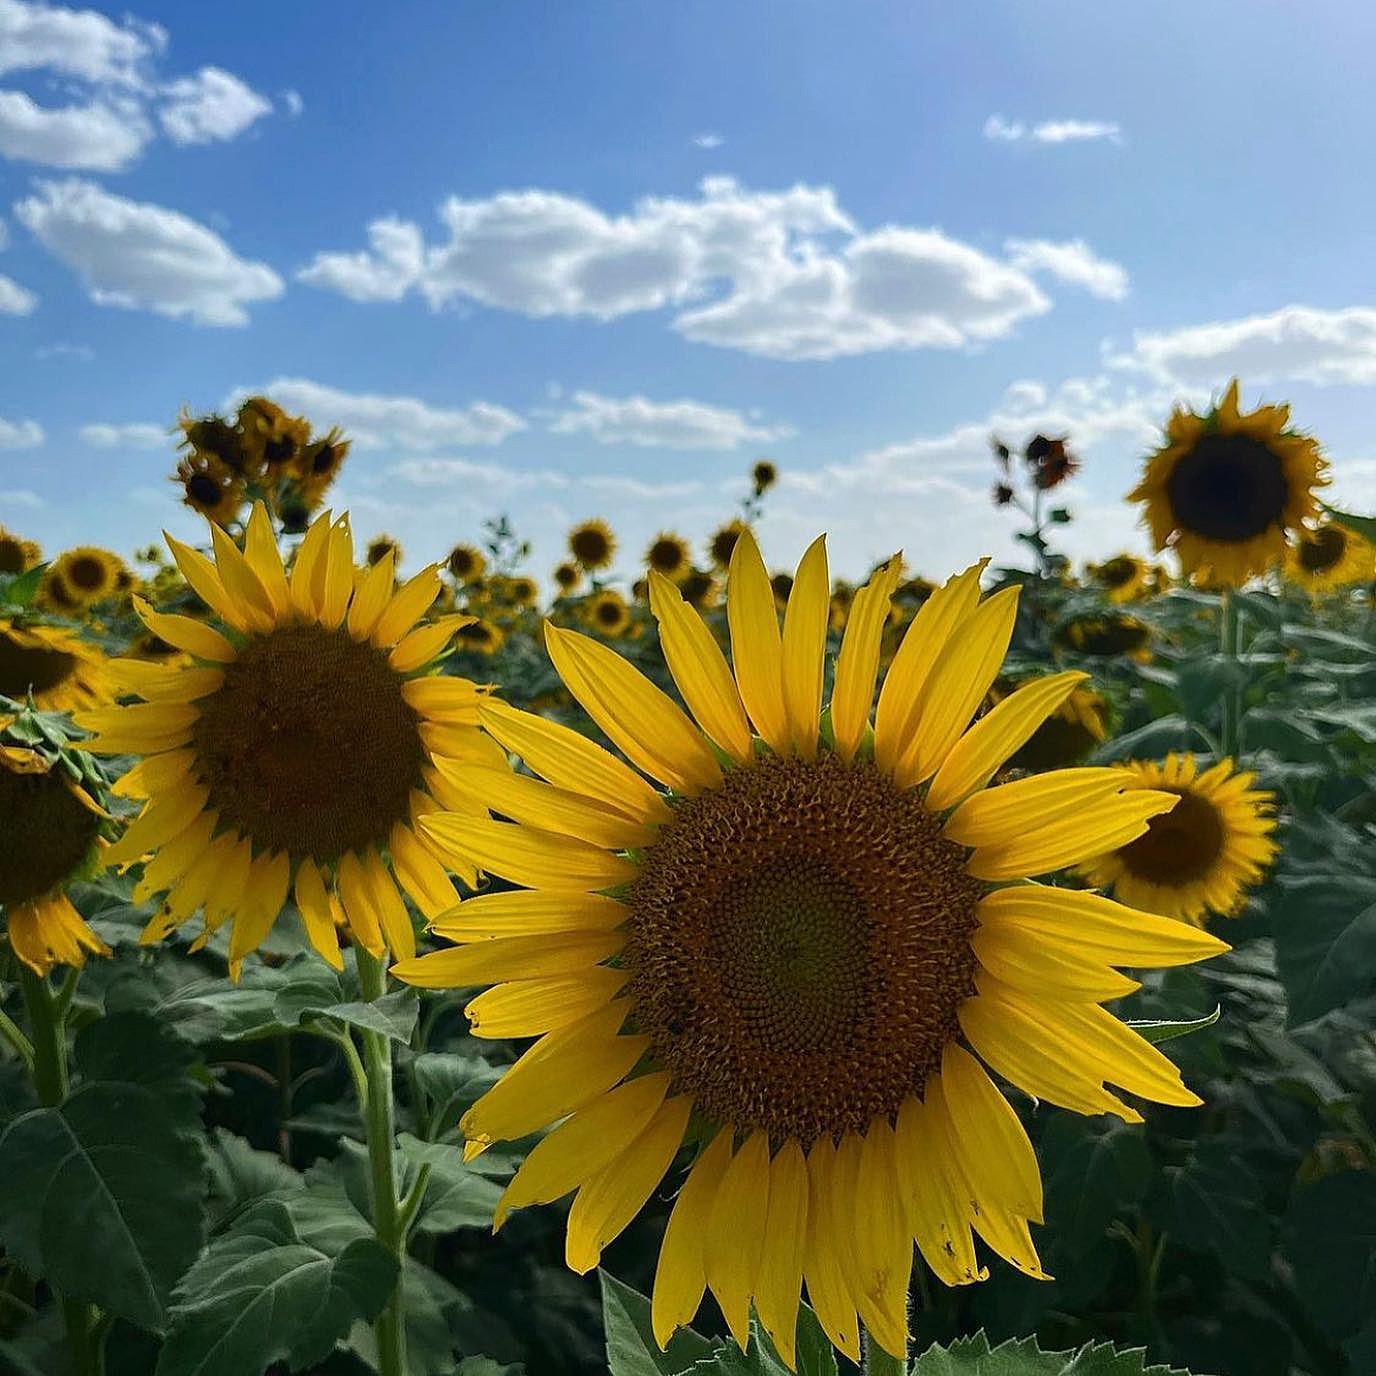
<point>734,970</point>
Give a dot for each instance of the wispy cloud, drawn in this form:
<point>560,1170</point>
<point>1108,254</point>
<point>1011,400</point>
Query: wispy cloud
<point>708,141</point>
<point>997,129</point>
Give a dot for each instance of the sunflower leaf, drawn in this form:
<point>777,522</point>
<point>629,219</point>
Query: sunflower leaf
<point>1022,1357</point>
<point>1164,1029</point>
<point>631,1347</point>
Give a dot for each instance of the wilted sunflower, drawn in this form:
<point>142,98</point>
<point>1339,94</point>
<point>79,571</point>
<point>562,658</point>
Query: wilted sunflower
<point>1123,578</point>
<point>62,671</point>
<point>763,476</point>
<point>793,960</point>
<point>481,636</point>
<point>592,544</point>
<point>1203,855</point>
<point>50,838</point>
<point>210,487</point>
<point>17,555</point>
<point>1106,636</point>
<point>300,752</point>
<point>567,577</point>
<point>318,464</point>
<point>466,562</point>
<point>1330,558</point>
<point>670,555</point>
<point>380,546</point>
<point>723,543</point>
<point>88,574</point>
<point>1226,488</point>
<point>608,613</point>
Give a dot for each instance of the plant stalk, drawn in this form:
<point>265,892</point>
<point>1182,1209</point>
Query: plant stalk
<point>1230,701</point>
<point>378,1118</point>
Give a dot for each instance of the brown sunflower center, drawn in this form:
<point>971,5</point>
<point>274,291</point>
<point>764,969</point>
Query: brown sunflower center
<point>36,668</point>
<point>279,450</point>
<point>1228,487</point>
<point>1180,846</point>
<point>1117,573</point>
<point>309,747</point>
<point>47,834</point>
<point>666,556</point>
<point>202,488</point>
<point>799,944</point>
<point>608,613</point>
<point>86,572</point>
<point>13,555</point>
<point>590,546</point>
<point>1324,550</point>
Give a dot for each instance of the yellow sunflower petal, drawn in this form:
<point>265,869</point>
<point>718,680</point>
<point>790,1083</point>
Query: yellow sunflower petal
<point>261,903</point>
<point>823,1265</point>
<point>508,958</point>
<point>265,559</point>
<point>420,874</point>
<point>355,894</point>
<point>426,643</point>
<point>996,814</point>
<point>532,1007</point>
<point>537,860</point>
<point>529,914</point>
<point>241,584</point>
<point>194,637</point>
<point>804,647</point>
<point>443,699</point>
<point>162,682</point>
<point>162,819</point>
<point>391,911</point>
<point>313,903</point>
<point>735,1233</point>
<point>371,598</point>
<point>785,1242</point>
<point>858,661</point>
<point>882,1247</point>
<point>307,567</point>
<point>1026,964</point>
<point>155,775</point>
<point>411,601</point>
<point>205,582</point>
<point>174,857</point>
<point>336,586</point>
<point>756,645</point>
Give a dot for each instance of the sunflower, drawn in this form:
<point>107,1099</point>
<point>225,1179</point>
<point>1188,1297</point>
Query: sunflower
<point>1123,578</point>
<point>272,439</point>
<point>210,487</point>
<point>1225,488</point>
<point>213,436</point>
<point>300,751</point>
<point>670,555</point>
<point>1077,727</point>
<point>379,547</point>
<point>88,574</point>
<point>592,544</point>
<point>57,667</point>
<point>51,837</point>
<point>1330,558</point>
<point>763,476</point>
<point>699,589</point>
<point>523,590</point>
<point>723,543</point>
<point>1103,637</point>
<point>481,636</point>
<point>782,584</point>
<point>318,464</point>
<point>567,577</point>
<point>17,555</point>
<point>794,960</point>
<point>608,613</point>
<point>1203,855</point>
<point>466,562</point>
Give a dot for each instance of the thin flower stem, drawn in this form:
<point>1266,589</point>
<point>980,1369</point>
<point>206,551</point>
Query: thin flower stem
<point>1230,701</point>
<point>379,1121</point>
<point>14,1035</point>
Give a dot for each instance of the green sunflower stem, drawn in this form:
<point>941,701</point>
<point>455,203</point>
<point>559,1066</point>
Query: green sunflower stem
<point>47,1016</point>
<point>1230,701</point>
<point>379,1121</point>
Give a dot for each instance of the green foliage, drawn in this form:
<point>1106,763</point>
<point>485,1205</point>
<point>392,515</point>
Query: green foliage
<point>1022,1357</point>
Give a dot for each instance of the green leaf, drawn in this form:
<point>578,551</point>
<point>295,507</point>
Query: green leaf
<point>266,1003</point>
<point>1214,1204</point>
<point>101,1197</point>
<point>485,1366</point>
<point>23,588</point>
<point>1163,1029</point>
<point>631,1347</point>
<point>452,1084</point>
<point>1363,525</point>
<point>1325,929</point>
<point>456,1195</point>
<point>1022,1357</point>
<point>260,1295</point>
<point>241,1175</point>
<point>394,1015</point>
<point>1329,1235</point>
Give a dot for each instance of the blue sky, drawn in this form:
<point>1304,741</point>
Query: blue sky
<point>577,259</point>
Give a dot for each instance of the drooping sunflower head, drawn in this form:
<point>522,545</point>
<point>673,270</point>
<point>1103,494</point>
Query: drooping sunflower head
<point>210,487</point>
<point>1330,558</point>
<point>1226,487</point>
<point>723,542</point>
<point>319,462</point>
<point>1205,854</point>
<point>214,437</point>
<point>88,574</point>
<point>51,837</point>
<point>670,555</point>
<point>1123,578</point>
<point>763,476</point>
<point>592,544</point>
<point>17,555</point>
<point>61,670</point>
<point>608,613</point>
<point>792,940</point>
<point>273,440</point>
<point>298,749</point>
<point>567,577</point>
<point>466,562</point>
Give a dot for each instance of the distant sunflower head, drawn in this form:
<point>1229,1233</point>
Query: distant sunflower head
<point>466,563</point>
<point>567,577</point>
<point>592,544</point>
<point>480,635</point>
<point>1330,558</point>
<point>522,590</point>
<point>17,555</point>
<point>298,749</point>
<point>89,574</point>
<point>670,555</point>
<point>380,546</point>
<point>723,543</point>
<point>62,671</point>
<point>608,613</point>
<point>1105,637</point>
<point>782,584</point>
<point>795,951</point>
<point>1123,578</point>
<point>1204,855</point>
<point>1051,462</point>
<point>51,838</point>
<point>1226,488</point>
<point>699,588</point>
<point>763,476</point>
<point>271,437</point>
<point>214,437</point>
<point>1068,736</point>
<point>210,487</point>
<point>318,463</point>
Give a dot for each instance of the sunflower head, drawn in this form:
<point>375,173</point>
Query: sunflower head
<point>1123,577</point>
<point>567,577</point>
<point>592,544</point>
<point>670,555</point>
<point>1330,558</point>
<point>481,636</point>
<point>53,665</point>
<point>466,563</point>
<point>1226,488</point>
<point>216,438</point>
<point>380,546</point>
<point>723,543</point>
<point>298,747</point>
<point>319,462</point>
<point>210,487</point>
<point>791,939</point>
<point>699,588</point>
<point>763,476</point>
<point>1203,856</point>
<point>1105,637</point>
<point>522,590</point>
<point>1050,461</point>
<point>273,440</point>
<point>89,574</point>
<point>1068,736</point>
<point>608,613</point>
<point>17,555</point>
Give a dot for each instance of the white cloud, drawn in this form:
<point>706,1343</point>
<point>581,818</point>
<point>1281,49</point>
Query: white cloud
<point>78,43</point>
<point>395,423</point>
<point>98,137</point>
<point>1052,131</point>
<point>708,141</point>
<point>141,256</point>
<point>24,497</point>
<point>293,102</point>
<point>1295,343</point>
<point>1073,262</point>
<point>135,435</point>
<point>779,274</point>
<point>20,434</point>
<point>661,424</point>
<point>61,349</point>
<point>212,105</point>
<point>14,299</point>
<point>501,481</point>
